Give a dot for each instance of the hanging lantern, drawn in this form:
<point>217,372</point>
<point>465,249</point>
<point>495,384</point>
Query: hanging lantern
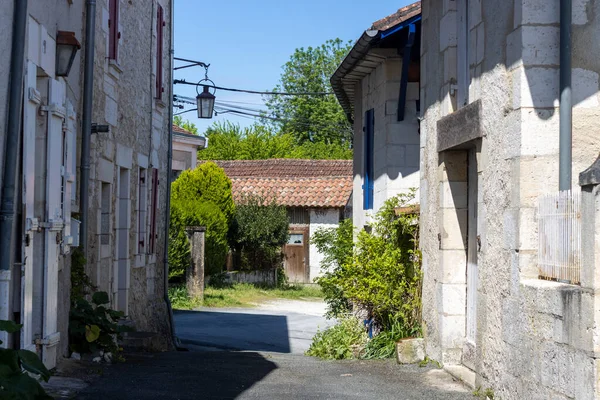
<point>206,103</point>
<point>66,49</point>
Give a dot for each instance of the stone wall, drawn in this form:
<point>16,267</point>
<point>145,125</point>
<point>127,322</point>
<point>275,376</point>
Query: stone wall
<point>320,218</point>
<point>532,338</point>
<point>396,144</point>
<point>125,98</point>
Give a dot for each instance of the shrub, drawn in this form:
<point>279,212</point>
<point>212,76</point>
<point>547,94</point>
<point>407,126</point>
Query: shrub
<point>94,327</point>
<point>194,213</point>
<point>336,246</point>
<point>258,231</point>
<point>15,369</point>
<point>344,340</point>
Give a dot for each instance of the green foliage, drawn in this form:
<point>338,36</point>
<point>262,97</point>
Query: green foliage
<point>93,326</point>
<point>15,369</point>
<point>336,246</point>
<point>196,213</point>
<point>258,231</point>
<point>383,276</point>
<point>231,142</point>
<point>384,344</point>
<point>345,340</point>
<point>187,125</point>
<point>181,300</point>
<point>200,197</point>
<point>312,118</point>
<point>81,285</point>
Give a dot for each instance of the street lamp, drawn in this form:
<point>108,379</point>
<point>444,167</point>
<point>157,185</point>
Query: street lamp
<point>66,49</point>
<point>205,102</point>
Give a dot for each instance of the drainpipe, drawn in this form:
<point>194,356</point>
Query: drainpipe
<point>86,121</point>
<point>168,200</point>
<point>566,102</point>
<point>13,134</point>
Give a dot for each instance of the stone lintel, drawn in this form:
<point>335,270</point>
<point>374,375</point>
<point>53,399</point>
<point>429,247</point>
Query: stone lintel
<point>193,229</point>
<point>591,176</point>
<point>460,127</point>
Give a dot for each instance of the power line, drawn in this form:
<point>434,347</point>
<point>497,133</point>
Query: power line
<point>182,81</point>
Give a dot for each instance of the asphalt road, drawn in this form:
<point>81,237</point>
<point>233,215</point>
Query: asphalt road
<point>258,354</point>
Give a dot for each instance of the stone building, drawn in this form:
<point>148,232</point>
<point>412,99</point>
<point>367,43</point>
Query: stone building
<point>489,150</point>
<point>185,150</point>
<point>128,166</point>
<point>379,93</point>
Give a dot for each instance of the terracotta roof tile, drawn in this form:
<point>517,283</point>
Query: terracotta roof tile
<point>399,16</point>
<point>292,182</point>
<point>179,129</point>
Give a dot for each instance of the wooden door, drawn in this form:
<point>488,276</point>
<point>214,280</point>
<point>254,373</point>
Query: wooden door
<point>296,256</point>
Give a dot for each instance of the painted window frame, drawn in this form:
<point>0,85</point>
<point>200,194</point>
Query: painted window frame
<point>113,30</point>
<point>368,154</point>
<point>152,235</point>
<point>462,51</point>
<point>160,24</point>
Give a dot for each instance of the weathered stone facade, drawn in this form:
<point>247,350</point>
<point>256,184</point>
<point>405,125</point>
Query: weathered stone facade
<point>489,149</point>
<point>129,163</point>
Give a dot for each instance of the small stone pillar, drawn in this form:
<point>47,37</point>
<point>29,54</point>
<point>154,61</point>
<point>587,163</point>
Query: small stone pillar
<point>195,273</point>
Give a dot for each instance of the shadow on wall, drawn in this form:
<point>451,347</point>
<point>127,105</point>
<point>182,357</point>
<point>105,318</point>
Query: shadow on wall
<point>181,375</point>
<point>234,331</point>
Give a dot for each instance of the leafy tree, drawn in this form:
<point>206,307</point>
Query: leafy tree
<point>258,231</point>
<point>229,141</point>
<point>187,125</point>
<point>312,118</point>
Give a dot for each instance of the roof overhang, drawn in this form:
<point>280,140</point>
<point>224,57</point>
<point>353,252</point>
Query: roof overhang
<point>366,55</point>
<point>193,140</point>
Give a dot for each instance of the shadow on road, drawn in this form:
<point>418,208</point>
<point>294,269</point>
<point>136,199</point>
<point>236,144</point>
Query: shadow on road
<point>234,330</point>
<point>181,375</point>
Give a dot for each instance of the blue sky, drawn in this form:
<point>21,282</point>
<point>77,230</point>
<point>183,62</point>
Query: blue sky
<point>247,41</point>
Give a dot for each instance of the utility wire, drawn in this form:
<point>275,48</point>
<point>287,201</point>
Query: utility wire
<point>182,81</point>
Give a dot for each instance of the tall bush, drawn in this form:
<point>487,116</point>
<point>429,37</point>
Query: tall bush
<point>258,231</point>
<point>383,274</point>
<point>200,197</point>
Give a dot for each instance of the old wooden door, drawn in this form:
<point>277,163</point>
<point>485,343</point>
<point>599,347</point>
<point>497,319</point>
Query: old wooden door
<point>296,256</point>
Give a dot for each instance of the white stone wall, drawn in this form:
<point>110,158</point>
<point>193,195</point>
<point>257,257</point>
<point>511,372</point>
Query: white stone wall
<point>320,218</point>
<point>396,144</point>
<point>534,338</point>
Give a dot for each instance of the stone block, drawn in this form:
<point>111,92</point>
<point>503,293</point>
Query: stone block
<point>536,12</point>
<point>528,229</point>
<point>453,166</point>
<point>475,16</point>
<point>395,155</point>
<point>534,46</point>
<point>452,329</point>
<point>110,111</point>
<point>585,382</point>
<point>585,88</point>
<point>124,156</point>
<point>452,299</point>
<point>402,133</point>
<point>579,12</point>
<point>410,351</point>
<point>450,64</point>
<point>535,87</point>
<point>412,155</point>
<point>448,5</point>
<point>557,368</point>
<point>537,177</point>
<point>448,30</point>
<point>460,127</point>
<point>453,229</point>
<point>539,132</point>
<point>453,194</point>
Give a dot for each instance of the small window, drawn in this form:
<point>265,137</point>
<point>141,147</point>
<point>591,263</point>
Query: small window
<point>369,138</point>
<point>113,30</point>
<point>296,238</point>
<point>105,214</point>
<point>298,216</point>
<point>142,210</point>
<point>160,24</point>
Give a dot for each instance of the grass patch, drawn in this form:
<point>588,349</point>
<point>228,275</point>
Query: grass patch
<point>241,295</point>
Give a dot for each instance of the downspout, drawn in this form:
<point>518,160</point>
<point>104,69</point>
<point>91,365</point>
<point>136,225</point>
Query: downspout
<point>13,134</point>
<point>566,102</point>
<point>86,121</point>
<point>169,161</point>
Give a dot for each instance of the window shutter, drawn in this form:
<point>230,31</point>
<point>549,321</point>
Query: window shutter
<point>369,133</point>
<point>154,205</point>
<point>160,23</point>
<point>113,29</point>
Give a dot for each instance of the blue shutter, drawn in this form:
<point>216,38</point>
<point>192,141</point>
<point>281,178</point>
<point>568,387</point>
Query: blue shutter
<point>369,134</point>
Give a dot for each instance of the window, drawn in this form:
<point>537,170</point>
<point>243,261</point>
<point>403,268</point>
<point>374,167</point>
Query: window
<point>160,24</point>
<point>113,30</point>
<point>463,54</point>
<point>105,214</point>
<point>369,134</point>
<point>298,215</point>
<point>142,210</point>
<point>153,214</point>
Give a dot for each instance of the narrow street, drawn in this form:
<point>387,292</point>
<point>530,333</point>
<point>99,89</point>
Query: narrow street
<point>258,354</point>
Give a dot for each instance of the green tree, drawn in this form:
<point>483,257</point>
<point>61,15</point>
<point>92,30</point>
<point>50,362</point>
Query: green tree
<point>229,141</point>
<point>187,125</point>
<point>312,118</point>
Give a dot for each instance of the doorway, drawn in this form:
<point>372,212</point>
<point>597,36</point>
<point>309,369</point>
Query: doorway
<point>296,256</point>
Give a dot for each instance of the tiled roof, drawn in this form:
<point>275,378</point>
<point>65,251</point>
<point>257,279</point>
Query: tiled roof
<point>292,182</point>
<point>179,129</point>
<point>399,16</point>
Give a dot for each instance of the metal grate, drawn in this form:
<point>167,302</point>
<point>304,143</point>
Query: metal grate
<point>559,230</point>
